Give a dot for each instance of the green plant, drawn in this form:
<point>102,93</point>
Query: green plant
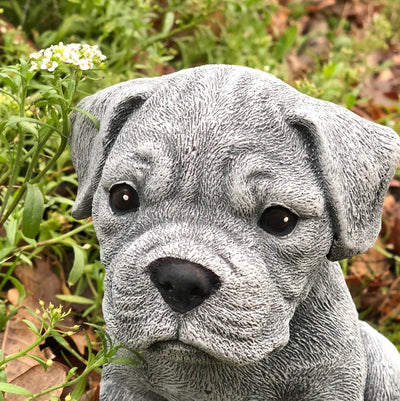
<point>35,128</point>
<point>49,319</point>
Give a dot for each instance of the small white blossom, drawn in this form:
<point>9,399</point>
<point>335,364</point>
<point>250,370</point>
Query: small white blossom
<point>34,66</point>
<point>80,56</point>
<point>54,65</point>
<point>84,64</point>
<point>35,56</point>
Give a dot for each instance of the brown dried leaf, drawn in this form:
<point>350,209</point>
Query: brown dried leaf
<point>383,88</point>
<point>37,380</point>
<point>370,264</point>
<point>12,296</point>
<point>394,183</point>
<point>391,226</point>
<point>40,283</point>
<point>318,5</point>
<point>17,337</point>
<point>279,20</point>
<point>390,307</point>
<point>79,339</point>
<point>373,109</point>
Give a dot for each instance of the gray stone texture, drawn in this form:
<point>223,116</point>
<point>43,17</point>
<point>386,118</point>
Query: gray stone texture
<point>208,150</point>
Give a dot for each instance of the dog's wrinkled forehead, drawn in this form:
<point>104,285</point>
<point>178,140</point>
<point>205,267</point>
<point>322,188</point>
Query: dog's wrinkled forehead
<point>193,135</point>
<point>207,110</point>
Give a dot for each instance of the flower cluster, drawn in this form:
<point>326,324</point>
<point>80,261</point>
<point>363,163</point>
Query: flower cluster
<point>79,56</point>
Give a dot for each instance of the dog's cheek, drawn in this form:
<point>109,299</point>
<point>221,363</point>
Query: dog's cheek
<point>299,256</point>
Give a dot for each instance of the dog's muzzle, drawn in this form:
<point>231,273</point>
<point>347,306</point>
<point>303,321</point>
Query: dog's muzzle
<point>183,284</point>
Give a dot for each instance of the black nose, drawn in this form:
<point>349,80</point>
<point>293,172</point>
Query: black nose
<point>183,284</point>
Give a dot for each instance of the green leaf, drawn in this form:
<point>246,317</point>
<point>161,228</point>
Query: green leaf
<point>79,389</point>
<point>71,373</point>
<point>40,360</point>
<point>124,361</point>
<point>26,260</point>
<point>78,266</point>
<point>18,286</point>
<point>5,251</point>
<point>13,389</point>
<point>3,376</point>
<point>168,22</point>
<point>2,125</point>
<point>31,326</point>
<point>33,211</point>
<point>3,315</point>
<point>70,88</point>
<point>29,127</point>
<point>95,121</point>
<point>76,299</point>
<point>9,81</point>
<point>14,120</point>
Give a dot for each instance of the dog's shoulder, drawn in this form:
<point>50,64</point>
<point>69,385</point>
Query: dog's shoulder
<point>383,372</point>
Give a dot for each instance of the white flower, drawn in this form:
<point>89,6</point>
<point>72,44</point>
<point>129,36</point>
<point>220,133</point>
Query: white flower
<point>48,53</point>
<point>35,56</point>
<point>34,66</point>
<point>84,64</point>
<point>80,56</point>
<point>46,63</point>
<point>54,65</point>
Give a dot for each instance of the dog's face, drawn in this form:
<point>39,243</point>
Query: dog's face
<point>214,208</point>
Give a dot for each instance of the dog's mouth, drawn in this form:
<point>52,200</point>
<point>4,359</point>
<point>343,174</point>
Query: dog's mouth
<point>178,351</point>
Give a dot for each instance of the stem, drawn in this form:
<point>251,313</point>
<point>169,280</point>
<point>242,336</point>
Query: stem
<point>9,94</point>
<point>37,150</point>
<point>6,277</point>
<point>14,174</point>
<point>48,242</point>
<point>387,254</point>
<point>52,162</point>
<point>20,354</point>
<point>71,382</point>
<point>91,286</point>
<point>17,163</point>
<point>14,204</point>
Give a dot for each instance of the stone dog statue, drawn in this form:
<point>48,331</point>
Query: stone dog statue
<point>221,198</point>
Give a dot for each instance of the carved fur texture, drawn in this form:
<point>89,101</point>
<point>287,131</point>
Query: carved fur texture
<point>208,150</point>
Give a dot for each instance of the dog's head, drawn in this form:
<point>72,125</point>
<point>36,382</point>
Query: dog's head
<point>217,193</point>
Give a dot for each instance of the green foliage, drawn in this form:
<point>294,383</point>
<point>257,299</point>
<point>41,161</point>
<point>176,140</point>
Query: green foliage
<point>49,319</point>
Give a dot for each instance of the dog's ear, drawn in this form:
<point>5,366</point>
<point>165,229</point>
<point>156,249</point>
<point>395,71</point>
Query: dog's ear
<point>90,145</point>
<point>355,159</point>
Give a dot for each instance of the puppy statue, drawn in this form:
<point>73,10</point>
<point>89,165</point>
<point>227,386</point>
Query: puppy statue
<point>222,199</point>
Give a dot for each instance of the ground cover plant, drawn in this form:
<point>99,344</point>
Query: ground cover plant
<point>53,343</point>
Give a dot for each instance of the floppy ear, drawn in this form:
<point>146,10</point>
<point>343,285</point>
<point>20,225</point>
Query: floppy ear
<point>355,159</point>
<point>90,146</point>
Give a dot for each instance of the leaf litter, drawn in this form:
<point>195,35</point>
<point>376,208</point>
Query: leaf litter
<point>40,283</point>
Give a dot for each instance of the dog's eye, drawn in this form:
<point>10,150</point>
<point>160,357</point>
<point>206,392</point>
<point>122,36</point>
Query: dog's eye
<point>124,198</point>
<point>278,220</point>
